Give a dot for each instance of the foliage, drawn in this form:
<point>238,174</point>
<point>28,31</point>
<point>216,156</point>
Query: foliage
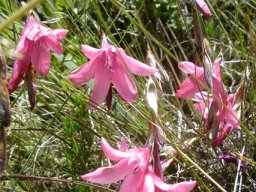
<point>50,147</point>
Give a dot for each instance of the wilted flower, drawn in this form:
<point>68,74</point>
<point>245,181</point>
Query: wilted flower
<point>232,159</point>
<point>109,66</point>
<point>34,49</point>
<point>133,165</point>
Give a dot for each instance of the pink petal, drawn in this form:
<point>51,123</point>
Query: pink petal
<point>102,81</point>
<point>203,7</point>
<point>35,30</point>
<point>216,69</point>
<point>133,182</point>
<point>22,48</point>
<point>179,187</point>
<point>190,68</point>
<point>201,108</point>
<point>123,83</point>
<point>104,40</point>
<point>40,57</point>
<point>19,68</point>
<point>90,52</point>
<point>106,175</point>
<point>124,146</point>
<point>183,186</point>
<point>86,72</point>
<point>58,33</point>
<point>148,185</point>
<point>53,44</point>
<point>134,65</point>
<point>223,135</point>
<point>189,87</point>
<point>232,116</point>
<point>112,153</point>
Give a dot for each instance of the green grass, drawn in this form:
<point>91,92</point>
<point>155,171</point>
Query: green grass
<point>50,147</point>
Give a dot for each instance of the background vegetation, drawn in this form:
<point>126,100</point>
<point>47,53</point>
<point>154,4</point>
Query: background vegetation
<point>51,146</point>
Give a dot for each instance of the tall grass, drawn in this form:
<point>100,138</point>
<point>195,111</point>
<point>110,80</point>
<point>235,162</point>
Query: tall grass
<point>50,147</point>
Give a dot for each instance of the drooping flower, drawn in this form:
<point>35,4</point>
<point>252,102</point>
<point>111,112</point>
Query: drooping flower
<point>216,108</point>
<point>222,119</point>
<point>109,66</point>
<point>133,165</point>
<point>193,84</point>
<point>128,161</point>
<point>33,49</point>
<point>203,8</point>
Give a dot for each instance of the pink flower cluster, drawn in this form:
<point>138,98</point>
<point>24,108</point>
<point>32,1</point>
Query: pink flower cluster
<point>108,66</point>
<point>134,167</point>
<point>216,108</point>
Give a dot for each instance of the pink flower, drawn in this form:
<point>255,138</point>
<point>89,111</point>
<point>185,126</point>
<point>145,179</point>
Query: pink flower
<point>196,82</point>
<point>133,165</point>
<point>203,8</point>
<point>228,117</point>
<point>109,66</point>
<point>217,110</point>
<point>34,49</point>
<point>191,85</point>
<point>225,118</point>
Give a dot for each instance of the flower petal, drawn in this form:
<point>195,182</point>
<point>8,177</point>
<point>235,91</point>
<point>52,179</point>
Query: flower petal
<point>203,8</point>
<point>123,83</point>
<point>19,68</point>
<point>112,153</point>
<point>89,51</point>
<point>223,135</point>
<point>58,33</point>
<point>183,186</point>
<point>148,185</point>
<point>86,72</point>
<point>216,69</point>
<point>124,146</point>
<point>53,44</point>
<point>106,175</point>
<point>22,48</point>
<point>190,68</point>
<point>35,30</point>
<point>135,66</point>
<point>40,57</point>
<point>178,187</point>
<point>133,182</point>
<point>102,81</point>
<point>190,86</point>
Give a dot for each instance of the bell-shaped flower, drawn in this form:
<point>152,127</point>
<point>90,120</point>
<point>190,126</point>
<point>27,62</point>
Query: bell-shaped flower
<point>33,49</point>
<point>196,82</point>
<point>109,66</point>
<point>133,165</point>
<point>224,116</point>
<point>129,162</point>
<point>203,8</point>
<point>216,108</point>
